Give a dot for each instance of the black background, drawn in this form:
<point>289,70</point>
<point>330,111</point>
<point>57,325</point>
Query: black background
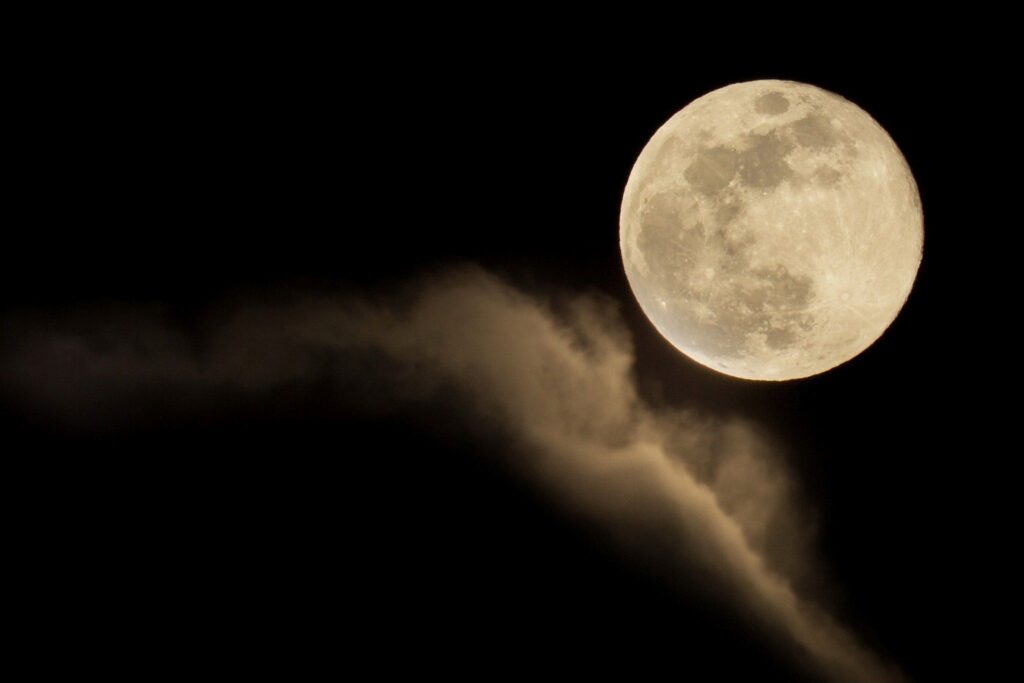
<point>175,167</point>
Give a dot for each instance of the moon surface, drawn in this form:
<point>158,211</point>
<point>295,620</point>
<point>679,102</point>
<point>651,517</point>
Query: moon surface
<point>771,230</point>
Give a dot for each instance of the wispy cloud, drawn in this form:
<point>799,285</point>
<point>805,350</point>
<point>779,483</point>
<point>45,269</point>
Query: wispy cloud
<point>691,494</point>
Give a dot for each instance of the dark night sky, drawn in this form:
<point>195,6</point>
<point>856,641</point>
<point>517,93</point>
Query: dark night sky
<point>176,172</point>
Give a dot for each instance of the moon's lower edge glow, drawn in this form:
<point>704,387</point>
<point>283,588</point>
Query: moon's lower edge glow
<point>771,230</point>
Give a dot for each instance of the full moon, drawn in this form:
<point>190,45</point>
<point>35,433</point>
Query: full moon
<point>771,230</point>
